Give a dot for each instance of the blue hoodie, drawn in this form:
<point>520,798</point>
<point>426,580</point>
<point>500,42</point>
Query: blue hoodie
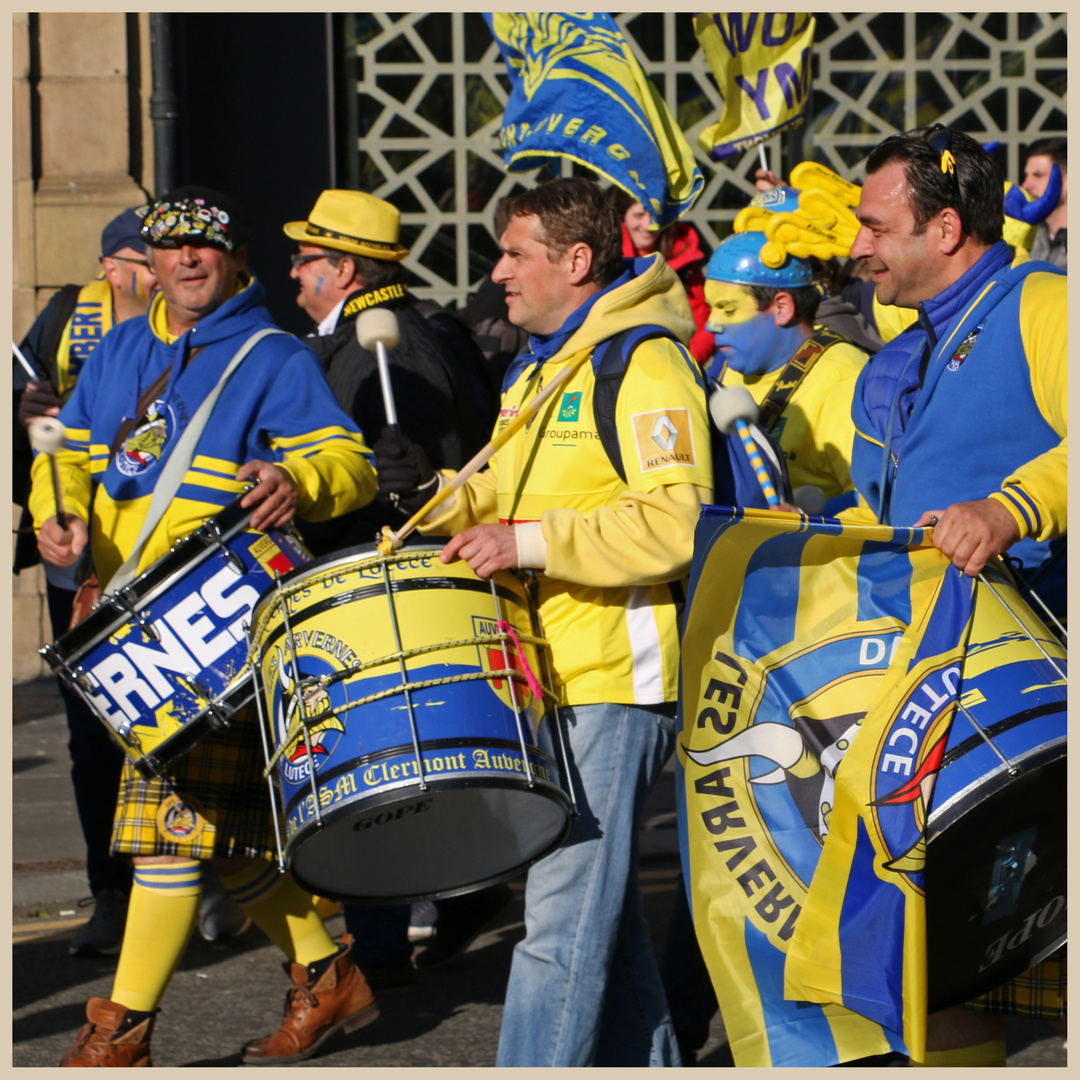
<point>277,407</point>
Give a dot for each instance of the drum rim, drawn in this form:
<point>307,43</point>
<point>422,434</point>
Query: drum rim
<point>948,1001</point>
<point>552,792</point>
<point>263,612</point>
<point>153,581</point>
<point>346,557</point>
<point>412,543</point>
<point>989,783</point>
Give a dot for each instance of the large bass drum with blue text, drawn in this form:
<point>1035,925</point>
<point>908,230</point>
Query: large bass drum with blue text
<point>402,697</point>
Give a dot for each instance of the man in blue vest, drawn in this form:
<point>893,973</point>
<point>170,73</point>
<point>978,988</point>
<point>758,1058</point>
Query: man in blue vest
<point>961,419</point>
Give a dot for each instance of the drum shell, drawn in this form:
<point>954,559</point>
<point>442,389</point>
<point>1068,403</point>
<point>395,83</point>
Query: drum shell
<point>996,856</point>
<point>369,842</point>
<point>199,604</point>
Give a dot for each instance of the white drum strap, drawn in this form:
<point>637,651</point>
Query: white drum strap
<point>178,463</point>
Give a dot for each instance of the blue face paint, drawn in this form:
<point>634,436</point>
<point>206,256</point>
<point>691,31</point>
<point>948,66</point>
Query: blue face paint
<point>755,346</point>
<point>318,285</point>
<point>134,284</point>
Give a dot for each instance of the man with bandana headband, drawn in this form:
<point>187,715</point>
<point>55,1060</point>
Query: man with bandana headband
<point>275,425</point>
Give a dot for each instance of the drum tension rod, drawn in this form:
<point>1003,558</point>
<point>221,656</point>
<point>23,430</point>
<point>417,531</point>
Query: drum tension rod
<point>1013,770</point>
<point>78,677</point>
<point>217,714</point>
<point>256,678</point>
<point>1027,633</point>
<point>283,600</point>
<point>413,730</point>
<point>234,560</point>
<point>511,685</point>
<point>124,602</point>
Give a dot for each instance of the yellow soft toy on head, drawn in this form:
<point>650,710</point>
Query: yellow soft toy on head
<point>813,217</point>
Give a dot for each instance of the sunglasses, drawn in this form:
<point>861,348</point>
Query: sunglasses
<point>299,260</point>
<point>939,139</point>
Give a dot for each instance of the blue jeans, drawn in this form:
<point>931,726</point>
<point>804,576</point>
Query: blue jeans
<point>584,986</point>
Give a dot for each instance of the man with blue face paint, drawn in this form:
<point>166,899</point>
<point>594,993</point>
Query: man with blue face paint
<point>802,376</point>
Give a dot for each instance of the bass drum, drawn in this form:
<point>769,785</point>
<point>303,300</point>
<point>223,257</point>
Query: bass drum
<point>427,768</point>
<point>996,858</point>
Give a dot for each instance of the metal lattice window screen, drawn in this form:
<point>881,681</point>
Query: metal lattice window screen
<point>431,88</point>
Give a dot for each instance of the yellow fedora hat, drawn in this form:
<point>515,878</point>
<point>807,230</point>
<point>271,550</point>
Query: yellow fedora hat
<point>352,221</point>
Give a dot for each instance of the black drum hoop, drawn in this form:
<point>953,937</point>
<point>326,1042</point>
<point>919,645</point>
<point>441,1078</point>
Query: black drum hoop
<point>388,797</point>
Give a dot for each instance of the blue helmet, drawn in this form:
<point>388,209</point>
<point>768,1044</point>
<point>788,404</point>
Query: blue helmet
<point>737,261</point>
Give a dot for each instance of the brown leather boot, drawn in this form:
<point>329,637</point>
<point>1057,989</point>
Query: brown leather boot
<point>102,1044</point>
<point>316,1007</point>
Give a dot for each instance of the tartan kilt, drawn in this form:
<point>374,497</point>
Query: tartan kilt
<point>212,801</point>
<point>1040,992</point>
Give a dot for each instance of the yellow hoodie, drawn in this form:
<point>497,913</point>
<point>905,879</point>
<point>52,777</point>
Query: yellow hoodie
<point>615,554</point>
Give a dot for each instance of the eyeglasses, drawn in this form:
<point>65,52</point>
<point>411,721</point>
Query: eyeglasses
<point>299,260</point>
<point>125,258</point>
<point>939,139</point>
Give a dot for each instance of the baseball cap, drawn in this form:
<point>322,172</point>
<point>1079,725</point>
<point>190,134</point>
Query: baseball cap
<point>123,232</point>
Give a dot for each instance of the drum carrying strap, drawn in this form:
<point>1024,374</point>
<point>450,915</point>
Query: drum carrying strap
<point>179,461</point>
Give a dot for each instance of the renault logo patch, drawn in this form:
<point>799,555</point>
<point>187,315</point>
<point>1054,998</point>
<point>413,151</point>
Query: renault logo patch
<point>663,438</point>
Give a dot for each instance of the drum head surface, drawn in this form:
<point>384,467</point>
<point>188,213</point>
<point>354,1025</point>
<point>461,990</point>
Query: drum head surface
<point>996,887</point>
<point>422,845</point>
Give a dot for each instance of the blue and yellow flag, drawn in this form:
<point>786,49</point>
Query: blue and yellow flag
<point>812,644</point>
<point>762,64</point>
<point>579,92</point>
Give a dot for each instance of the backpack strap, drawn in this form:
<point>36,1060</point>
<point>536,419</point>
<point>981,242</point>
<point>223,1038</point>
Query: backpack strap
<point>609,361</point>
<point>63,309</point>
<point>793,374</point>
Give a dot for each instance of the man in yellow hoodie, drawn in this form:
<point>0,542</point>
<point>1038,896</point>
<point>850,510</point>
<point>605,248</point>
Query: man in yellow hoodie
<point>611,540</point>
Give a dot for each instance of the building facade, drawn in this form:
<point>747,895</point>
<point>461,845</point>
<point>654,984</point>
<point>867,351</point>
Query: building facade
<point>273,108</point>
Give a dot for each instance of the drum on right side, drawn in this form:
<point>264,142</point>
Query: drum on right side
<point>996,861</point>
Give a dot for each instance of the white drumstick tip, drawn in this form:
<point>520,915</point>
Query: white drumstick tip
<point>730,403</point>
<point>375,325</point>
<point>46,434</point>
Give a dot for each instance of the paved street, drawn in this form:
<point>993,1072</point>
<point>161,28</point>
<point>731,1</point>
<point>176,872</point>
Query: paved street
<point>225,994</point>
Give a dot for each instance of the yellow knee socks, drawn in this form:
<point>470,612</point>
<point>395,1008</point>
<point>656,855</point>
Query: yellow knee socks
<point>985,1054</point>
<point>282,910</point>
<point>162,913</point>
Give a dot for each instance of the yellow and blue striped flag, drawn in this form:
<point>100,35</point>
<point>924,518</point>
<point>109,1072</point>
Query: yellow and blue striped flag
<point>579,92</point>
<point>761,61</point>
<point>791,629</point>
<point>823,663</point>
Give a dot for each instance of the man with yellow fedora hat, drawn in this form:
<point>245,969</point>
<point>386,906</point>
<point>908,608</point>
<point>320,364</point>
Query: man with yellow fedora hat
<point>352,221</point>
<point>350,260</point>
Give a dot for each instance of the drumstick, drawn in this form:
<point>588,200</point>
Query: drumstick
<point>392,540</point>
<point>47,436</point>
<point>27,366</point>
<point>377,330</point>
<point>731,407</point>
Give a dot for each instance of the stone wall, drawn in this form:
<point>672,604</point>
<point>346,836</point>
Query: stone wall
<point>77,80</point>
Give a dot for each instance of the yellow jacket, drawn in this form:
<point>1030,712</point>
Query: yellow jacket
<point>615,554</point>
